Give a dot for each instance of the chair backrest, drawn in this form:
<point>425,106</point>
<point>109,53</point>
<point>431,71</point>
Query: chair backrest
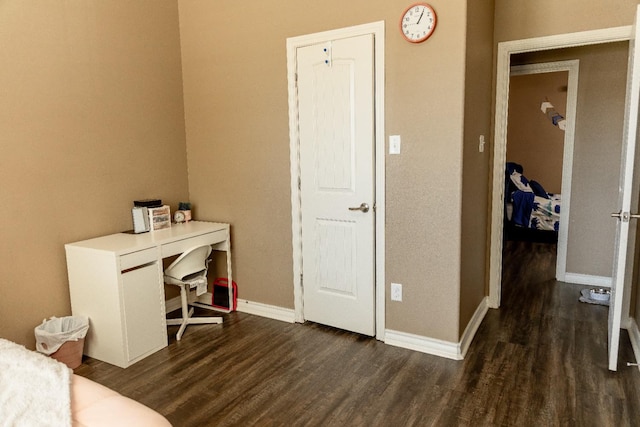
<point>191,261</point>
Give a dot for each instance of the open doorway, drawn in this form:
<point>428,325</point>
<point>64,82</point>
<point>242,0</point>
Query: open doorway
<point>595,175</point>
<point>540,140</point>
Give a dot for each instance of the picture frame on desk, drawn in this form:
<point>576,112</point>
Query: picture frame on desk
<point>160,218</point>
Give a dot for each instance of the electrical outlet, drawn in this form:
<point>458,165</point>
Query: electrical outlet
<point>396,292</point>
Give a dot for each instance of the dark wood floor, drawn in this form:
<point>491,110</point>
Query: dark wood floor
<point>540,360</point>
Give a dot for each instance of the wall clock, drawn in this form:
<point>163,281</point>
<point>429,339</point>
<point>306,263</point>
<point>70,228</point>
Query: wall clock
<point>418,22</point>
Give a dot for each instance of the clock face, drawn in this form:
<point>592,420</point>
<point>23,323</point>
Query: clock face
<point>418,22</point>
<point>179,216</point>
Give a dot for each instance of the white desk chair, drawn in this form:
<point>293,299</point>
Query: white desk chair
<point>188,269</point>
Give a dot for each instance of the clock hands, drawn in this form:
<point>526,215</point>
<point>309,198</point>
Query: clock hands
<point>413,28</point>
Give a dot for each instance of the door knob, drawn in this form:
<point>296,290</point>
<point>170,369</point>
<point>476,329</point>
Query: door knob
<point>363,208</point>
<point>625,216</point>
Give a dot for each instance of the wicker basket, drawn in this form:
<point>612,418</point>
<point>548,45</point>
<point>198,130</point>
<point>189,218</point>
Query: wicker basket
<point>70,353</point>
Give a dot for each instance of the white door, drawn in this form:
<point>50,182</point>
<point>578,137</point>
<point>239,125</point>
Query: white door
<point>628,201</point>
<point>335,82</point>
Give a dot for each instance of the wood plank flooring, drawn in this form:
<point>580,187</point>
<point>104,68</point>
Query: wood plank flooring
<point>540,360</point>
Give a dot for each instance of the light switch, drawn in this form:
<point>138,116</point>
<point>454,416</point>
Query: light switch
<point>394,144</point>
<point>481,144</point>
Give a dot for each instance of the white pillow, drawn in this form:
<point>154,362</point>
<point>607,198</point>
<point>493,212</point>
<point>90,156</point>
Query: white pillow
<point>520,182</point>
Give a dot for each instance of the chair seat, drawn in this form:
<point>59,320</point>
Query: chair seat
<point>190,267</point>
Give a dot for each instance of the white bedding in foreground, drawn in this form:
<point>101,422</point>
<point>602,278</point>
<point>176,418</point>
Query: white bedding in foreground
<point>34,389</point>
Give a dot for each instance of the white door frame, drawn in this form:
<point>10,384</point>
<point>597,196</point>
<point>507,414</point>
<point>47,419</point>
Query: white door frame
<point>377,29</point>
<point>505,50</point>
<point>572,67</point>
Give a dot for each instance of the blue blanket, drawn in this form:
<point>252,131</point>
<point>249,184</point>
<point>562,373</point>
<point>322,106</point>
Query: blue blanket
<point>522,206</point>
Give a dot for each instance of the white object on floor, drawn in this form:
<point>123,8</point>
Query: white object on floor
<point>587,296</point>
<point>600,294</point>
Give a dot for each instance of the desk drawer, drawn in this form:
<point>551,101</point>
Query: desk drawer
<point>179,246</point>
<point>135,259</point>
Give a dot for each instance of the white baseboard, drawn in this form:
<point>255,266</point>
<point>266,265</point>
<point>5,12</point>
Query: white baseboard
<point>175,303</point>
<point>634,336</point>
<point>473,325</point>
<point>172,304</point>
<point>587,279</point>
<point>244,306</point>
<point>450,350</point>
<point>265,310</point>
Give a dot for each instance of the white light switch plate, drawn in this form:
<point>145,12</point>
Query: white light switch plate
<point>394,144</point>
<point>396,292</point>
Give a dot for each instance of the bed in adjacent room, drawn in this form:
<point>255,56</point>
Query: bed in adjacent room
<point>530,211</point>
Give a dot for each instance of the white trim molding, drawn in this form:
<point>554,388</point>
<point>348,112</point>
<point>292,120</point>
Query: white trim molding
<point>505,50</point>
<point>293,43</point>
<point>587,279</point>
<point>172,304</point>
<point>450,350</point>
<point>473,325</point>
<point>244,306</point>
<point>634,337</point>
<point>265,310</point>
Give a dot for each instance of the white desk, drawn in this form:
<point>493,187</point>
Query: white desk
<point>117,282</point>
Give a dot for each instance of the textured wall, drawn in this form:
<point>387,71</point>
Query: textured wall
<point>91,118</point>
<point>476,165</point>
<point>235,89</point>
<point>532,139</point>
<point>522,19</point>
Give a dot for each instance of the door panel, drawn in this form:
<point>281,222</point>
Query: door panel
<point>628,201</point>
<point>336,119</point>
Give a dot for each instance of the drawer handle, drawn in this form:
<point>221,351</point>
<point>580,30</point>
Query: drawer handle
<point>137,267</point>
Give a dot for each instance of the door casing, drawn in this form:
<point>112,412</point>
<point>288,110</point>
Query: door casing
<point>293,43</point>
<point>505,50</point>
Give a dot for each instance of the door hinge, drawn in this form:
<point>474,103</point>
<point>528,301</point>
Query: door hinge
<point>301,281</point>
<point>299,183</point>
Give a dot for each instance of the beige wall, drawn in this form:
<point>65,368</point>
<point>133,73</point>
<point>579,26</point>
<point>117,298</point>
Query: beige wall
<point>235,89</point>
<point>91,118</point>
<point>522,19</point>
<point>597,145</point>
<point>532,139</point>
<point>475,170</point>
